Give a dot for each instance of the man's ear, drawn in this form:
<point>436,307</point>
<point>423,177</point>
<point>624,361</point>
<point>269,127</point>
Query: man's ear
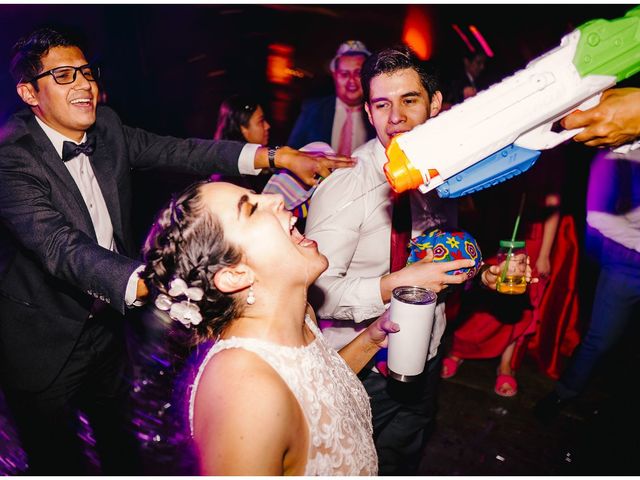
<point>233,279</point>
<point>436,103</point>
<point>368,110</point>
<point>27,93</point>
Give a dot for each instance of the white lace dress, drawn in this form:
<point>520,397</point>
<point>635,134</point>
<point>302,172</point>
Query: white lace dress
<point>331,396</point>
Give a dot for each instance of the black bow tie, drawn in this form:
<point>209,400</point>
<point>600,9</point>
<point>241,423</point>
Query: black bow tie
<point>71,150</point>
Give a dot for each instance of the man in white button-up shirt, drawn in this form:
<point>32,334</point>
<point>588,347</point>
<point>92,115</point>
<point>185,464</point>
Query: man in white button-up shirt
<point>67,268</point>
<point>357,285</point>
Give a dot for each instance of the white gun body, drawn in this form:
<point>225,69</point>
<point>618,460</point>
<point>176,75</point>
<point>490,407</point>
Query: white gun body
<point>520,110</point>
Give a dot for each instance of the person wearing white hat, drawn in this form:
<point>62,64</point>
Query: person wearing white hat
<point>338,120</point>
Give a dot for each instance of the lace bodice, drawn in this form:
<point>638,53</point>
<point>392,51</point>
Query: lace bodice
<point>333,400</point>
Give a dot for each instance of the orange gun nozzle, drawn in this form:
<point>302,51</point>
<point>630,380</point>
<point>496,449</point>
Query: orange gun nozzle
<point>400,172</point>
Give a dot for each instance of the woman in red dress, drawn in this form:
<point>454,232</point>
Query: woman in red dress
<point>505,326</point>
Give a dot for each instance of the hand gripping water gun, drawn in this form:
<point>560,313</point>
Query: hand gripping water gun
<point>497,134</point>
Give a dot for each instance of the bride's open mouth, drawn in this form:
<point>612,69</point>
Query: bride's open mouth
<point>297,237</point>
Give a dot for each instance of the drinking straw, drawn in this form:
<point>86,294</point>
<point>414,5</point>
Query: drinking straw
<point>513,238</point>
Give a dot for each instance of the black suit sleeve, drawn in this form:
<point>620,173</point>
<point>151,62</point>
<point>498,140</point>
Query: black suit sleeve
<point>145,150</point>
<point>66,253</point>
<point>193,155</point>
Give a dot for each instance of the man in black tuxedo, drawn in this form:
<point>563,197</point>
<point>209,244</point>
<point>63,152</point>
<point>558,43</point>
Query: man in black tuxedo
<point>67,268</point>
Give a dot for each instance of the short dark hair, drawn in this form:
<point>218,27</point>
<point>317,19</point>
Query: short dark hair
<point>235,112</point>
<point>27,53</point>
<point>391,60</point>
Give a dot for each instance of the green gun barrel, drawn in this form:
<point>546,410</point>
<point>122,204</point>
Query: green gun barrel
<point>610,47</point>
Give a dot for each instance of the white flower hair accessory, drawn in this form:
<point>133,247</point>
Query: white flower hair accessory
<point>184,311</point>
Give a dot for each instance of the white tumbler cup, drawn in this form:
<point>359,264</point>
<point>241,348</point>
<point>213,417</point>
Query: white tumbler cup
<point>413,309</point>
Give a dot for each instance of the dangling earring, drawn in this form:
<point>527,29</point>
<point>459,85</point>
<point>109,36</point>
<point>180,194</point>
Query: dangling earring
<point>251,299</point>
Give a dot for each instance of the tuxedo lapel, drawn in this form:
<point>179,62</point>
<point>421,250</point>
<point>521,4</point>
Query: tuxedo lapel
<point>104,170</point>
<point>55,164</point>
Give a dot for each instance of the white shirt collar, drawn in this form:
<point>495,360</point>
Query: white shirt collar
<point>57,139</point>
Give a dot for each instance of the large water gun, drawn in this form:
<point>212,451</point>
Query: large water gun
<point>498,134</point>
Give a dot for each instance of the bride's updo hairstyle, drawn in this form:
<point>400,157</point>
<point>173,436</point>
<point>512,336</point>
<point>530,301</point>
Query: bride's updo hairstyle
<point>187,242</point>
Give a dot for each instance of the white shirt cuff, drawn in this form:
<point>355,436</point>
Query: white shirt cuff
<point>246,160</point>
<point>130,296</point>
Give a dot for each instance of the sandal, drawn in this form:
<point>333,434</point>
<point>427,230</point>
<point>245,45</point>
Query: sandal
<point>510,381</point>
<point>450,367</point>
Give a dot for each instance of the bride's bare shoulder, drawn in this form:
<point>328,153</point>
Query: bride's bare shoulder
<point>240,370</point>
<point>243,410</point>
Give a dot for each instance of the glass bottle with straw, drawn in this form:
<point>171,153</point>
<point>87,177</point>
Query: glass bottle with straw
<point>512,255</point>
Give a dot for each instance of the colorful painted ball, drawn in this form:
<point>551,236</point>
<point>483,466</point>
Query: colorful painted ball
<point>446,246</point>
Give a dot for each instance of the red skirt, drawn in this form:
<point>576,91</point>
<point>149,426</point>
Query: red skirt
<point>547,324</point>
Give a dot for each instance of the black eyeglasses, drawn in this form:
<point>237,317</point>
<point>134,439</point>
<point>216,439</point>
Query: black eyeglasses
<point>66,75</point>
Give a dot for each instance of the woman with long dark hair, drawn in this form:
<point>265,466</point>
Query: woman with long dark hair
<point>271,396</point>
<point>242,118</point>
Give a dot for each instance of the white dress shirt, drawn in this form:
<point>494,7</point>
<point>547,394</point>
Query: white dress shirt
<point>82,173</point>
<point>80,169</point>
<point>354,232</point>
<point>359,133</point>
<point>247,158</point>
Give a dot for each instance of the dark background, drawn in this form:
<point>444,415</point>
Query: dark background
<point>166,68</point>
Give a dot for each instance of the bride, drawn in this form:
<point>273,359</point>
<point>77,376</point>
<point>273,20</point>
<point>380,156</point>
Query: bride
<point>271,396</point>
